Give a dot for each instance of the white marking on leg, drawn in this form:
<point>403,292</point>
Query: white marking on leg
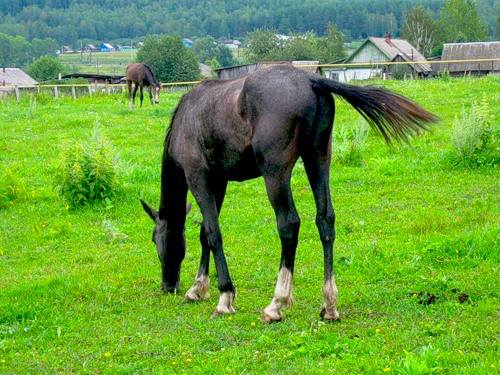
<point>282,296</point>
<point>330,294</point>
<point>225,305</point>
<point>199,290</point>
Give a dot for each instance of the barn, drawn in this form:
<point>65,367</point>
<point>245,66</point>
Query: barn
<point>470,51</point>
<point>236,71</point>
<point>375,52</point>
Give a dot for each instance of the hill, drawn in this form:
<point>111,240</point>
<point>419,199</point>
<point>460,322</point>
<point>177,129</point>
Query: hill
<point>69,21</point>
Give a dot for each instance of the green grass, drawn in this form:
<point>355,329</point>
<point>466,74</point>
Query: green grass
<point>80,289</point>
<point>99,62</point>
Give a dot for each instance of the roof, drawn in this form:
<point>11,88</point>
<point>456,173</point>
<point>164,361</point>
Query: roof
<point>107,45</point>
<point>394,48</point>
<point>471,51</point>
<point>15,77</point>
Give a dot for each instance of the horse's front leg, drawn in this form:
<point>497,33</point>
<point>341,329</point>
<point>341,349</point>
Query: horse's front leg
<point>206,199</point>
<point>200,289</point>
<point>280,195</point>
<point>129,87</point>
<point>141,93</point>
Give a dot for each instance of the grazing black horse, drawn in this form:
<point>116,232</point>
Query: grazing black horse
<point>141,75</point>
<point>259,125</point>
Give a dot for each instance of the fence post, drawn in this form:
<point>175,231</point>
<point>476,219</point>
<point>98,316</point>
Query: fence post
<point>18,93</point>
<point>56,92</point>
<point>90,89</point>
<point>73,92</point>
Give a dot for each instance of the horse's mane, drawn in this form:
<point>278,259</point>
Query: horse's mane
<point>171,125</point>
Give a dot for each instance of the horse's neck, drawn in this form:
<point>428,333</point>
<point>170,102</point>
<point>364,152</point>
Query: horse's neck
<point>150,77</point>
<point>173,192</point>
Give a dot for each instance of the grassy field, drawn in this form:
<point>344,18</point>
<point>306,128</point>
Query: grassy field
<point>99,62</point>
<point>417,256</point>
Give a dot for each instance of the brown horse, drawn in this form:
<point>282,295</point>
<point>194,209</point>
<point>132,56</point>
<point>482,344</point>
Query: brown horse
<point>141,75</point>
<point>259,125</point>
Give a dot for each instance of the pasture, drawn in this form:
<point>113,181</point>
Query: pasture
<point>416,255</point>
<point>113,63</point>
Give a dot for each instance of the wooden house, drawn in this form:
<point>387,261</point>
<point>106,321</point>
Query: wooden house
<point>470,51</point>
<point>372,58</point>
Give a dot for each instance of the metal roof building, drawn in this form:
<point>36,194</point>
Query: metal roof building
<point>471,51</point>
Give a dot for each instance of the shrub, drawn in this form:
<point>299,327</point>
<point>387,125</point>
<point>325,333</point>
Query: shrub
<point>351,148</point>
<point>12,188</point>
<point>475,136</point>
<point>46,68</point>
<point>86,174</point>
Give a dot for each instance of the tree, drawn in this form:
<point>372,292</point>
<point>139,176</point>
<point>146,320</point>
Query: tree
<point>170,60</point>
<point>261,44</point>
<point>208,49</point>
<point>459,22</point>
<point>331,46</point>
<point>46,68</point>
<point>420,30</point>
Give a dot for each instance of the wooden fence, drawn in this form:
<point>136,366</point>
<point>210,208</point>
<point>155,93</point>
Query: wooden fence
<point>76,90</point>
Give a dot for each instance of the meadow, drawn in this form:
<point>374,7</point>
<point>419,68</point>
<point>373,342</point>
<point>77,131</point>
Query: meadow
<point>113,63</point>
<point>416,254</point>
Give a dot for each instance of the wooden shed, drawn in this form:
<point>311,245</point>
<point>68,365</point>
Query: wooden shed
<point>471,51</point>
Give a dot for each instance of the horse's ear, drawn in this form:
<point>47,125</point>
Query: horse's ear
<point>151,212</point>
<point>188,207</point>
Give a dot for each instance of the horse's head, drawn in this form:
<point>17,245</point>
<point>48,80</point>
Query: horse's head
<point>170,246</point>
<point>155,91</point>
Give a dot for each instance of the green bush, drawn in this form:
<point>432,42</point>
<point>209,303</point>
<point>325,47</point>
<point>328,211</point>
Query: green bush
<point>46,68</point>
<point>86,174</point>
<point>12,188</point>
<point>350,149</point>
<point>475,137</point>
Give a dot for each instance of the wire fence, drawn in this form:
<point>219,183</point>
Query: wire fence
<point>76,90</point>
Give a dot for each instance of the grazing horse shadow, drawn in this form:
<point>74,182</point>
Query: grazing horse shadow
<point>139,75</point>
<point>259,125</point>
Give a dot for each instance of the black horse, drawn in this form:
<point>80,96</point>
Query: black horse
<point>259,125</point>
<point>141,75</point>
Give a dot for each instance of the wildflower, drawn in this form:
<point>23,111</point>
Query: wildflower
<point>107,354</point>
<point>377,330</point>
<point>387,369</point>
<point>189,360</point>
<point>174,363</point>
<point>252,324</point>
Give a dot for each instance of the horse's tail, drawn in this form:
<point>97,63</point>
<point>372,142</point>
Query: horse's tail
<point>391,115</point>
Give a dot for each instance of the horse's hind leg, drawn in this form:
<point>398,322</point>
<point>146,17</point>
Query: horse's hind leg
<point>134,92</point>
<point>316,157</point>
<point>199,290</point>
<point>280,196</point>
<point>129,86</point>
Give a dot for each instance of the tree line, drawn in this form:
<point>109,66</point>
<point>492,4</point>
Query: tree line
<point>72,21</point>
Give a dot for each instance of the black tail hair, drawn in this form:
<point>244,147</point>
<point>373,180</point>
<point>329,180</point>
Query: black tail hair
<point>391,115</point>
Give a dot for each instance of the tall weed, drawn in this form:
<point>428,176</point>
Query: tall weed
<point>475,137</point>
<point>351,148</point>
<point>12,188</point>
<point>87,172</point>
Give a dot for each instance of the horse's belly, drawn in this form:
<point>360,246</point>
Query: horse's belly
<point>243,167</point>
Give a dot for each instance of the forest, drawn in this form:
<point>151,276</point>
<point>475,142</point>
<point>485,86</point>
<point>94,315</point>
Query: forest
<point>74,21</point>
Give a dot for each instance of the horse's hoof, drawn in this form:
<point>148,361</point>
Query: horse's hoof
<point>195,296</point>
<point>271,316</point>
<point>330,316</point>
<point>225,305</point>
